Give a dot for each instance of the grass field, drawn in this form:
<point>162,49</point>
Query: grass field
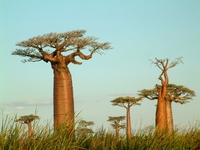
<point>13,136</point>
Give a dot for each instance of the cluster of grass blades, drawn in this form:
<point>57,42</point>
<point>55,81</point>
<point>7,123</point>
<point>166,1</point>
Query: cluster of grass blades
<point>13,136</point>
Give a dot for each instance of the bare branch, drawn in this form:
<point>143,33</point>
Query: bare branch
<point>166,64</point>
<point>96,47</point>
<point>174,63</point>
<point>84,57</point>
<point>159,63</point>
<point>161,79</point>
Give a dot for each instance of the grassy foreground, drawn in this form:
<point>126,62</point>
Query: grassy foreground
<point>13,136</point>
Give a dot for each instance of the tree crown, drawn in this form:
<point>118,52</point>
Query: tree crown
<point>116,119</point>
<point>49,47</point>
<point>163,64</point>
<point>27,119</point>
<point>116,122</point>
<point>85,124</point>
<point>176,93</point>
<point>122,101</point>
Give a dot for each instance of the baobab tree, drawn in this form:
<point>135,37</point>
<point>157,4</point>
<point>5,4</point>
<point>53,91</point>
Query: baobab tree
<point>28,120</point>
<point>127,102</point>
<point>116,123</point>
<point>162,104</point>
<point>51,48</point>
<point>175,93</point>
<point>83,128</point>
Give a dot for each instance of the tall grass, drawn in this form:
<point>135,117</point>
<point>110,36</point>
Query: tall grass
<point>13,136</point>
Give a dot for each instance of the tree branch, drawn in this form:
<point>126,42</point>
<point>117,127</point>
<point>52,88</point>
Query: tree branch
<point>174,63</point>
<point>166,64</point>
<point>159,90</point>
<point>151,98</point>
<point>158,63</point>
<point>34,56</point>
<point>149,94</point>
<point>84,57</point>
<point>161,79</point>
<point>36,47</point>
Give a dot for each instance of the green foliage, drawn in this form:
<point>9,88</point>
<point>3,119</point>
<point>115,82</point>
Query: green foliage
<point>116,119</point>
<point>27,119</point>
<point>179,94</point>
<point>45,47</point>
<point>12,137</point>
<point>83,130</point>
<point>176,93</point>
<point>116,122</point>
<point>126,101</point>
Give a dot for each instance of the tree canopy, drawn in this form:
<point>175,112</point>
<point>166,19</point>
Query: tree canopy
<point>48,46</point>
<point>27,119</point>
<point>83,128</point>
<point>116,122</point>
<point>176,93</point>
<point>122,101</point>
<point>85,124</point>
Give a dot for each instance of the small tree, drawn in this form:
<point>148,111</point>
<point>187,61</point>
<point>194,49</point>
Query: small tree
<point>52,48</point>
<point>127,102</point>
<point>28,120</point>
<point>116,123</point>
<point>83,129</point>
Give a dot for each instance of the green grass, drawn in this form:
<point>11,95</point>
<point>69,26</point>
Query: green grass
<point>13,136</point>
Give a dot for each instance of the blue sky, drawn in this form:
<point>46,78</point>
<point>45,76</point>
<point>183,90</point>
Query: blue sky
<point>137,30</point>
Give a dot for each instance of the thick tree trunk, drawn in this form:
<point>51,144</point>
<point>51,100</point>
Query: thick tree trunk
<point>170,125</point>
<point>161,114</point>
<point>63,97</point>
<point>128,122</point>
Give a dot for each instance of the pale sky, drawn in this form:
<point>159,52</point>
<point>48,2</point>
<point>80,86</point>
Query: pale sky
<point>138,30</point>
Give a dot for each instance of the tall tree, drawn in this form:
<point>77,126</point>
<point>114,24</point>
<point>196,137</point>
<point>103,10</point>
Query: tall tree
<point>116,123</point>
<point>127,102</point>
<point>28,119</point>
<point>175,93</point>
<point>51,48</point>
<point>162,104</point>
